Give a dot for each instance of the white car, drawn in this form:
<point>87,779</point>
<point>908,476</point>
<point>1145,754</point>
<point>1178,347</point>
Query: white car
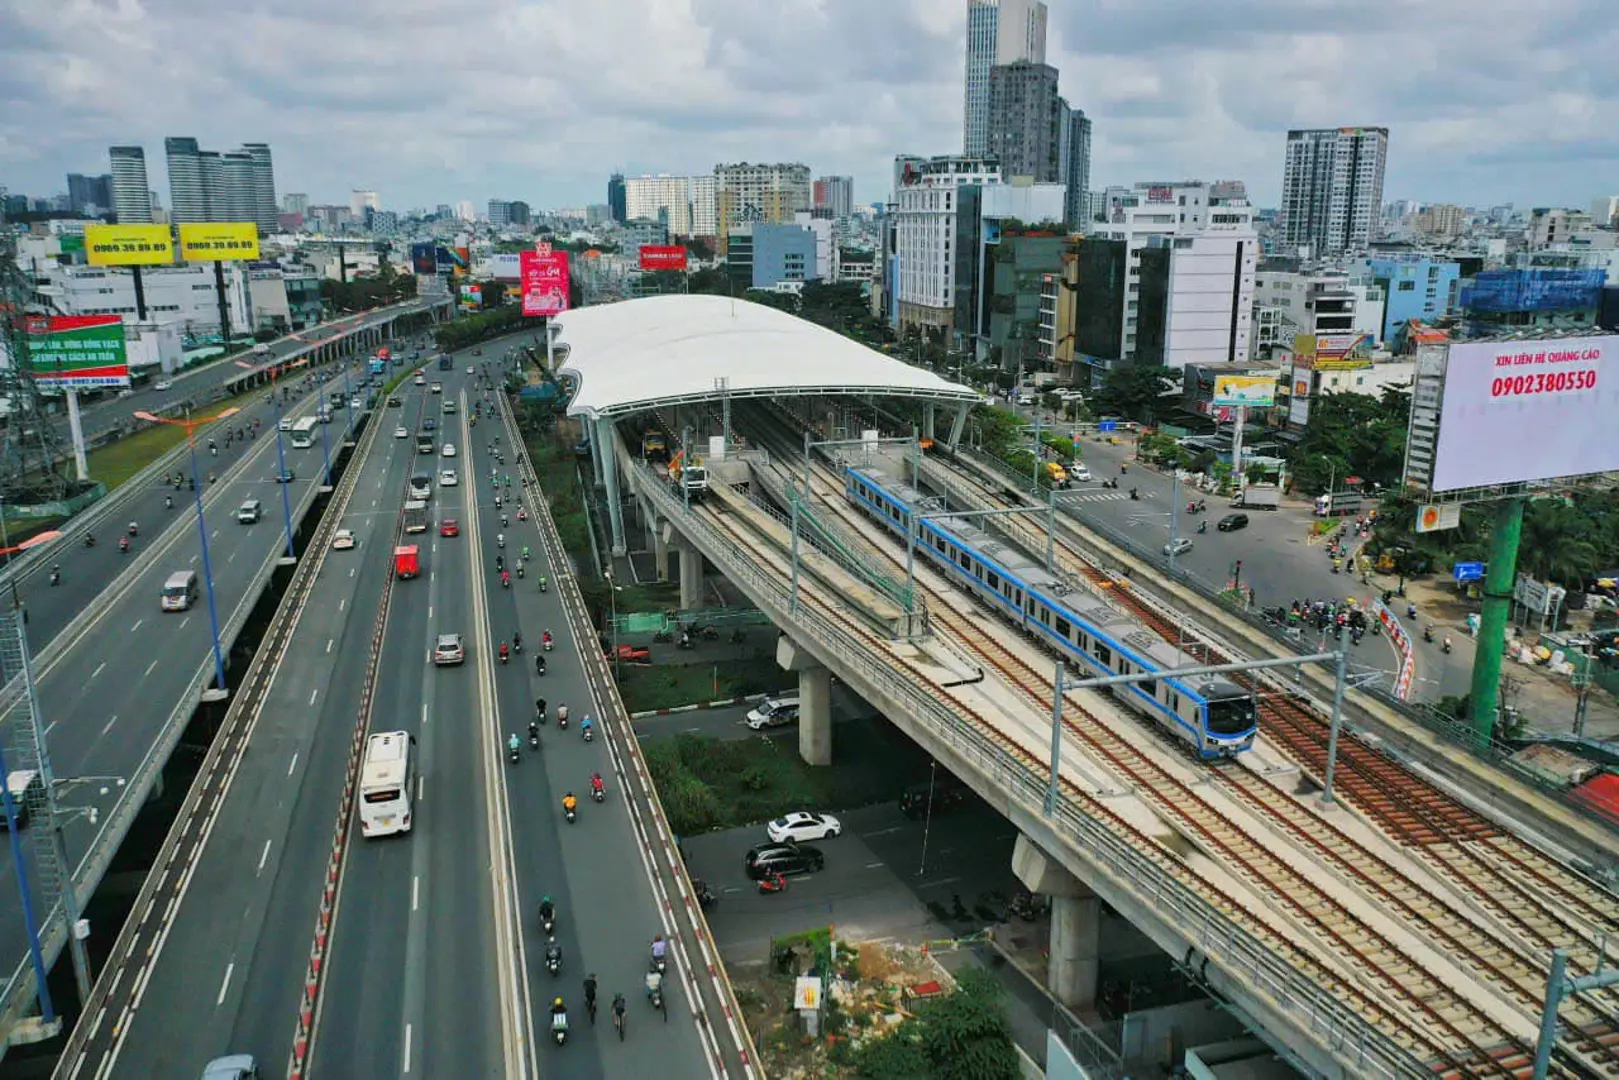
<point>469,369</point>
<point>401,433</point>
<point>162,385</point>
<point>1079,472</point>
<point>343,540</point>
<point>449,450</point>
<point>803,825</point>
<point>447,478</point>
<point>420,380</point>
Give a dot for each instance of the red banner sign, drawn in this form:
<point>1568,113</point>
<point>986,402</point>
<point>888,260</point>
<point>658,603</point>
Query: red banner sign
<point>663,257</point>
<point>545,281</point>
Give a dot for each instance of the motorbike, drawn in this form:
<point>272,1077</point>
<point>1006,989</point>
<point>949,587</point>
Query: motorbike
<point>663,637</point>
<point>539,668</point>
<point>133,531</point>
<point>705,895</point>
<point>505,580</point>
<point>1202,527</point>
<point>773,883</point>
<point>512,754</point>
<point>549,923</point>
<point>548,641</point>
<point>1024,906</point>
<point>654,995</point>
<point>1427,633</point>
<point>89,539</point>
<point>517,646</point>
<point>599,794</point>
<point>1446,645</point>
<point>519,569</point>
<point>559,1027</point>
<point>542,584</point>
<point>562,717</point>
<point>1111,484</point>
<point>660,964</point>
<point>685,642</point>
<point>589,733</point>
<point>56,576</point>
<point>505,654</point>
<point>534,739</point>
<point>123,545</point>
<point>1134,494</point>
<point>553,962</point>
<point>570,815</point>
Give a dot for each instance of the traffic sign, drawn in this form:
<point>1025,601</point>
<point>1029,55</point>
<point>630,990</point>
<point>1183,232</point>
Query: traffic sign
<point>1464,572</point>
<point>1107,427</point>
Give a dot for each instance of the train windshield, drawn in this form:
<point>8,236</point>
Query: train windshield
<point>1231,716</point>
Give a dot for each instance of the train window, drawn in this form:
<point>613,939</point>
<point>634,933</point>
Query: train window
<point>1174,701</point>
<point>1231,716</point>
<point>1104,654</point>
<point>966,563</point>
<point>1063,626</point>
<point>1083,640</point>
<point>992,579</point>
<point>938,542</point>
<point>1150,686</point>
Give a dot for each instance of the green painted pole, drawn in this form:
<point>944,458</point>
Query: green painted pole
<point>1492,630</point>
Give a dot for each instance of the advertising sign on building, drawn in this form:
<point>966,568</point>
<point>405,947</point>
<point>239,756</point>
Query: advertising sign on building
<point>1437,517</point>
<point>1255,391</point>
<point>219,241</point>
<point>1160,194</point>
<point>505,267</point>
<point>128,245</point>
<point>1332,352</point>
<point>81,351</point>
<point>1519,411</point>
<point>471,297</point>
<point>663,257</point>
<point>545,281</point>
<point>1538,596</point>
<point>1298,412</point>
<point>423,259</point>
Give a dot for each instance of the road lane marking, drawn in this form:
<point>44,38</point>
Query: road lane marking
<point>407,1049</point>
<point>415,891</point>
<point>224,986</point>
<point>97,671</point>
<point>108,725</point>
<point>294,763</point>
<point>421,788</point>
<point>182,623</point>
<point>873,865</point>
<point>149,668</point>
<point>193,559</point>
<point>312,695</point>
<point>424,714</point>
<point>265,854</point>
<point>329,644</point>
<point>215,535</point>
<point>137,625</point>
<point>342,603</point>
<point>883,832</point>
<point>429,612</point>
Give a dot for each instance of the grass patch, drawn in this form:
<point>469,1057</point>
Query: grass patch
<point>708,784</point>
<point>115,463</point>
<point>667,686</point>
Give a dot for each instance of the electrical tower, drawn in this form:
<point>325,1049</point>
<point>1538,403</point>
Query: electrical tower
<point>32,446</point>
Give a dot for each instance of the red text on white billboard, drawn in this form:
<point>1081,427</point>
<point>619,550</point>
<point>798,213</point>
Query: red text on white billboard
<point>545,282</point>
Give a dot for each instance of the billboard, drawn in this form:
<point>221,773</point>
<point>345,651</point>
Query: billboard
<point>80,351</point>
<point>545,281</point>
<point>215,241</point>
<point>1519,411</point>
<point>471,297</point>
<point>424,259</point>
<point>663,257</point>
<point>1437,517</point>
<point>1332,352</point>
<point>505,267</point>
<point>128,245</point>
<point>1255,391</point>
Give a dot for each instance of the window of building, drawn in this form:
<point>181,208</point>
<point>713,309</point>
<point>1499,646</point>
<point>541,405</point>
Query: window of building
<point>1407,286</point>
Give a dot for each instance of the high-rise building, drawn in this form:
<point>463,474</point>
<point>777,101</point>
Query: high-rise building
<point>499,215</point>
<point>1332,188</point>
<point>1026,120</point>
<point>87,194</point>
<point>745,192</point>
<point>463,210</point>
<point>834,195</point>
<point>359,199</point>
<point>704,206</point>
<point>264,208</point>
<point>982,16</point>
<point>237,198</point>
<point>188,186</point>
<point>617,205</point>
<point>295,202</point>
<point>929,250</point>
<point>518,214</point>
<point>1020,32</point>
<point>660,198</point>
<point>1077,174</point>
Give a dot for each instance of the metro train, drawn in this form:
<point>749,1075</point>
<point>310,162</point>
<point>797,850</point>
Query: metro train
<point>1214,715</point>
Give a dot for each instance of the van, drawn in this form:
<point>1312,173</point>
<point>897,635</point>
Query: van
<point>180,591</point>
<point>26,787</point>
<point>773,712</point>
<point>250,512</point>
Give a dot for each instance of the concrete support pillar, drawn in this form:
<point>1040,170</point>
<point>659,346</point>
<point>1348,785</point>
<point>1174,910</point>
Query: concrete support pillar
<point>1076,924</point>
<point>928,411</point>
<point>691,578</point>
<point>609,467</point>
<point>814,701</point>
<point>959,424</point>
<point>660,553</point>
<point>597,451</point>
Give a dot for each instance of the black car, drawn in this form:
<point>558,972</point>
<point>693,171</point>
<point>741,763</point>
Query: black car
<point>394,403</point>
<point>783,858</point>
<point>285,476</point>
<point>1232,522</point>
<point>919,801</point>
<point>429,424</point>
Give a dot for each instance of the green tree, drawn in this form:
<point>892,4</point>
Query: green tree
<point>493,294</point>
<point>962,1036</point>
<point>1558,544</point>
<point>1134,391</point>
<point>1353,435</point>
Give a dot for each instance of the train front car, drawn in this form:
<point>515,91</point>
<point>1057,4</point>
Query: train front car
<point>1229,718</point>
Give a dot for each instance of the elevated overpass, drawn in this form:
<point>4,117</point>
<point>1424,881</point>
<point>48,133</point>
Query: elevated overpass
<point>1353,949</point>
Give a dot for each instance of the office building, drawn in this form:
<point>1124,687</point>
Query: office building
<point>1086,298</point>
<point>1317,302</point>
<point>1605,212</point>
<point>264,205</point>
<point>834,195</point>
<point>183,293</point>
<point>518,214</point>
<point>1020,32</point>
<point>1076,176</point>
<point>1207,266</point>
<point>89,194</point>
<point>498,217</point>
<point>1023,40</point>
<point>1026,120</point>
<point>825,230</point>
<point>360,199</point>
<point>131,192</point>
<point>188,187</point>
<point>1414,287</point>
<point>770,255</point>
<point>1332,189</point>
<point>617,205</point>
<point>237,198</point>
<point>1549,226</point>
<point>774,193</point>
<point>643,232</point>
<point>704,206</point>
<point>938,199</point>
<point>660,198</point>
<point>295,202</point>
<point>1511,300</point>
<point>465,211</point>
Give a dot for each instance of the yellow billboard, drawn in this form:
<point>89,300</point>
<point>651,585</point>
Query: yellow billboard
<point>210,241</point>
<point>1257,391</point>
<point>128,245</point>
<point>1332,352</point>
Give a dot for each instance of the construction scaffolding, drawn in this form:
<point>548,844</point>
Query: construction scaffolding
<point>33,451</point>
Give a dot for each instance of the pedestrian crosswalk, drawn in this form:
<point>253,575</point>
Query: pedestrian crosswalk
<point>1076,495</point>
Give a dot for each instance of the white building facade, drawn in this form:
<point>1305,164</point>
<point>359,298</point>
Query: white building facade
<point>652,197</point>
<point>926,236</point>
<point>174,294</point>
<point>1332,189</point>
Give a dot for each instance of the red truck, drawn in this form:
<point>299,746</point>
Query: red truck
<point>634,654</point>
<point>407,561</point>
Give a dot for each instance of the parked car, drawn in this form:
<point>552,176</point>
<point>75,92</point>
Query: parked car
<point>803,825</point>
<point>773,712</point>
<point>1232,522</point>
<point>784,858</point>
<point>234,1067</point>
<point>449,650</point>
<point>940,797</point>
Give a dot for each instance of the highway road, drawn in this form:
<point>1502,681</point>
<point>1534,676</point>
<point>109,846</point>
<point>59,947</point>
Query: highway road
<point>231,967</point>
<point>109,690</point>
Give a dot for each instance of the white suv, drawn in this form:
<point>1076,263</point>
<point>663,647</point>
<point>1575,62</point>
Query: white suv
<point>449,650</point>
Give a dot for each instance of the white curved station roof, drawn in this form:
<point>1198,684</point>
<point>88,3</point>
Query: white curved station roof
<point>665,350</point>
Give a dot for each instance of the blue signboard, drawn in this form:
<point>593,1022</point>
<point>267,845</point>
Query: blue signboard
<point>1464,572</point>
<point>1108,427</point>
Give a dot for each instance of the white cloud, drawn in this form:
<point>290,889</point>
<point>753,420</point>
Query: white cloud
<point>429,101</point>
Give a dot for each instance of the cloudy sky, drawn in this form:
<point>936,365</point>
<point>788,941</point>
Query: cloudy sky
<point>429,101</point>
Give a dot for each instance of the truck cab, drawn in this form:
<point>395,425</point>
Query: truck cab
<point>407,561</point>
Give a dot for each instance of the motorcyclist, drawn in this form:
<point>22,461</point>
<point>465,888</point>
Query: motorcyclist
<point>1203,526</point>
<point>584,726</point>
<point>659,948</point>
<point>133,529</point>
<point>590,993</point>
<point>168,502</point>
<point>514,744</point>
<point>569,803</point>
<point>89,539</point>
<point>123,543</point>
<point>505,579</point>
<point>533,729</point>
<point>517,640</point>
<point>562,713</point>
<point>654,982</point>
<point>548,910</point>
<point>546,639</point>
<point>505,652</point>
<point>559,1016</point>
<point>56,574</point>
<point>525,546</point>
<point>500,540</point>
<point>596,782</point>
<point>553,952</point>
<point>539,663</point>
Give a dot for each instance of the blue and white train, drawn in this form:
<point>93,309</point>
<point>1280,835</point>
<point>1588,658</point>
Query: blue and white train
<point>1214,715</point>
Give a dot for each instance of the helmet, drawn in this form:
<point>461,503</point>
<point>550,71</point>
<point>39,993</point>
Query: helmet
<point>545,899</point>
<point>557,1003</point>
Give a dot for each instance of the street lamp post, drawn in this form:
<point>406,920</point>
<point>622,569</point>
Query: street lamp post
<point>220,692</point>
<point>348,409</point>
<point>281,475</point>
<point>612,599</point>
<point>325,448</point>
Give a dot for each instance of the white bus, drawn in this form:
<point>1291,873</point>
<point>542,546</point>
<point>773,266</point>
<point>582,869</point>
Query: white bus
<point>386,779</point>
<point>303,432</point>
<point>415,516</point>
